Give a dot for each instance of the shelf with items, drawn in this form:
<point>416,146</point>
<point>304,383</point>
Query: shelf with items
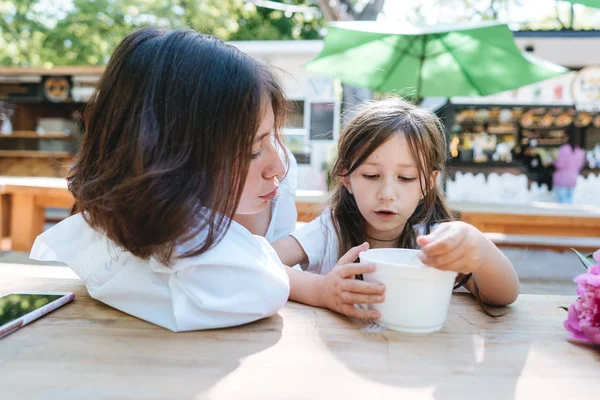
<point>482,134</point>
<point>518,127</point>
<point>40,118</point>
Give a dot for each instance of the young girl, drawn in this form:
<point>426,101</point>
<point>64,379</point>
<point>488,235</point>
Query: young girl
<point>182,134</point>
<point>389,158</point>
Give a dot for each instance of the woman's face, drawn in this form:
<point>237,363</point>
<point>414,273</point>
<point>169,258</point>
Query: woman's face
<point>265,168</point>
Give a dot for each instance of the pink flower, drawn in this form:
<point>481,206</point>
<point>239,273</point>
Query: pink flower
<point>583,320</point>
<point>572,322</point>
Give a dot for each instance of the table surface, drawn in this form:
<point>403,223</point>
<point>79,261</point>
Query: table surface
<point>88,350</point>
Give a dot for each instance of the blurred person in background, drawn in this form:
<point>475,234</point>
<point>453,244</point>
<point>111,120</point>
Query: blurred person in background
<point>568,164</point>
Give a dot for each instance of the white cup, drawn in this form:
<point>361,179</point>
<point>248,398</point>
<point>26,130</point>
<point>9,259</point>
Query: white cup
<point>416,296</point>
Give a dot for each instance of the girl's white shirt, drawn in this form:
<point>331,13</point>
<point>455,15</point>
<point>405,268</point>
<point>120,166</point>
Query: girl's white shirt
<point>239,280</point>
<point>320,243</point>
<point>283,209</point>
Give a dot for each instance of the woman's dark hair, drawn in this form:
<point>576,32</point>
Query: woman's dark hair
<point>373,125</point>
<point>168,141</point>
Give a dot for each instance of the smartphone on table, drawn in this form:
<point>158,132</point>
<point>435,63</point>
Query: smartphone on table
<point>20,308</point>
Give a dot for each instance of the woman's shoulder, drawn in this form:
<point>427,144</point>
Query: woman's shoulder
<point>236,247</point>
<point>567,149</point>
<point>65,240</point>
<point>74,239</point>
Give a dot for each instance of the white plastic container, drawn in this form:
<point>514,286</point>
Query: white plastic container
<point>416,296</point>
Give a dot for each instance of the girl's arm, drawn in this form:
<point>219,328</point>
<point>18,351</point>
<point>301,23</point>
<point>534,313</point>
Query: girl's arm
<point>458,246</point>
<point>338,290</point>
<point>289,251</point>
<point>496,279</point>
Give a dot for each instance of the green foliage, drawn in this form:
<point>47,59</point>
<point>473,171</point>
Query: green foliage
<point>587,261</point>
<point>265,24</point>
<point>38,33</point>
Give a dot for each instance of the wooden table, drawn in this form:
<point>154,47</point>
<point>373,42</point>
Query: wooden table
<point>87,350</point>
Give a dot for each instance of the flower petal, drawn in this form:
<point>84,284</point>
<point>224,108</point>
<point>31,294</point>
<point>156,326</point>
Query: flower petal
<point>597,255</point>
<point>594,269</point>
<point>572,324</point>
<point>587,279</point>
<point>592,333</point>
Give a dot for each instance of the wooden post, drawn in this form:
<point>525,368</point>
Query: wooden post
<point>27,221</point>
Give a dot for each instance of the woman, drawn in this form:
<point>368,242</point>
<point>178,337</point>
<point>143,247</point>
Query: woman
<point>568,164</point>
<point>182,134</point>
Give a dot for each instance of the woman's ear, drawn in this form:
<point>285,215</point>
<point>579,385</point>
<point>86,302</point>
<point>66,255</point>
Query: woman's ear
<point>346,181</point>
<point>433,179</point>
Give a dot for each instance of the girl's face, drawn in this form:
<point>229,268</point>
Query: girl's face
<point>386,188</point>
<point>265,168</point>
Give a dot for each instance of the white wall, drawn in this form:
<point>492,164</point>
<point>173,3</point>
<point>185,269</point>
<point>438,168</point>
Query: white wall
<point>289,57</point>
<point>570,52</point>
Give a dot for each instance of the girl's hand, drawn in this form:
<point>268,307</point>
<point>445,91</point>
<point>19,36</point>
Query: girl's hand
<point>454,246</point>
<point>341,290</point>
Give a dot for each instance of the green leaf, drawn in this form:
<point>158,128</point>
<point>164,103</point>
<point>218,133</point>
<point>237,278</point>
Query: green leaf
<point>586,261</point>
<point>564,308</point>
<point>591,260</point>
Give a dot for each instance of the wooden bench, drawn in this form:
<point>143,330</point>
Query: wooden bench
<point>549,226</point>
<point>538,225</point>
<point>23,204</point>
<point>545,242</point>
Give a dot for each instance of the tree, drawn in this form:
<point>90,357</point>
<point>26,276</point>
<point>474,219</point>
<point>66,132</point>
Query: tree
<point>348,10</point>
<point>552,15</point>
<point>87,32</point>
<point>351,10</point>
<point>262,23</point>
<point>91,31</point>
<point>22,27</point>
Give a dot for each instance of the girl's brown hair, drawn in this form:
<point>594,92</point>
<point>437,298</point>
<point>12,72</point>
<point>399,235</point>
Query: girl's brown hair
<point>373,124</point>
<point>168,141</point>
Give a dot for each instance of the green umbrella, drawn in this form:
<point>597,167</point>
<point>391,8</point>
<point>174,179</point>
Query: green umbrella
<point>435,61</point>
<point>589,3</point>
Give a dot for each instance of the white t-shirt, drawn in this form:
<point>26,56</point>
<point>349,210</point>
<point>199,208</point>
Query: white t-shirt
<point>239,280</point>
<point>320,243</point>
<point>283,208</point>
